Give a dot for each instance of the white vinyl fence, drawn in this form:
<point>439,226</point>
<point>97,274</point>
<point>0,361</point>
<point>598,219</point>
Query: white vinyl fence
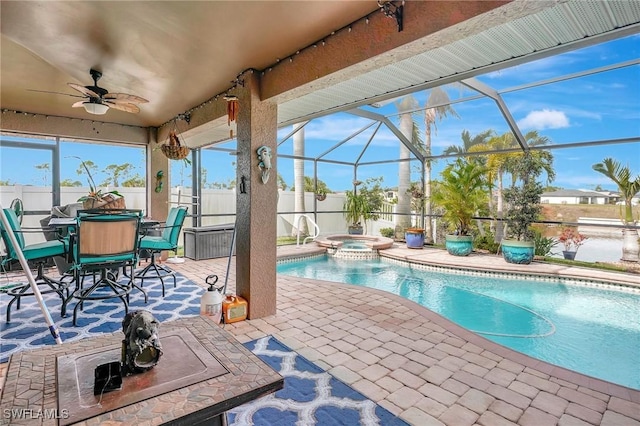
<point>214,201</point>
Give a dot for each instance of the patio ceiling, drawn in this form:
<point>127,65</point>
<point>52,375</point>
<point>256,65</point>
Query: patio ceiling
<point>183,55</point>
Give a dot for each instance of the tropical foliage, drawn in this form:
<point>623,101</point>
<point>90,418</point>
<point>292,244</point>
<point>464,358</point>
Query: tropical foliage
<point>621,175</point>
<point>543,245</point>
<point>523,199</point>
<point>94,192</point>
<point>461,191</point>
<point>355,208</point>
<point>309,186</point>
<point>501,164</point>
<point>364,203</point>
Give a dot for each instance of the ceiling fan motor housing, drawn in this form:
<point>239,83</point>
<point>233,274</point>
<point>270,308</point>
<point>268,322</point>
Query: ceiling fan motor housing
<point>96,75</point>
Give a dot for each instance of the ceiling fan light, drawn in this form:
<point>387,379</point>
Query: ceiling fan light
<point>95,108</point>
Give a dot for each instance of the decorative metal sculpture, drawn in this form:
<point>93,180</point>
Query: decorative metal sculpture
<point>264,155</point>
<point>141,348</point>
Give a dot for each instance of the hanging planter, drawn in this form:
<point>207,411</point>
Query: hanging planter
<point>173,150</point>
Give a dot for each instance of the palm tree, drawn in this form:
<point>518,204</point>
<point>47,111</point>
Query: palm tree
<point>496,166</point>
<point>45,167</point>
<point>542,160</point>
<point>629,188</point>
<point>501,163</point>
<point>437,107</point>
<point>461,191</point>
<point>409,129</point>
<point>298,178</point>
<point>469,142</point>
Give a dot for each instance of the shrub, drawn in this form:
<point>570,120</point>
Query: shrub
<point>486,242</point>
<point>543,245</point>
<point>387,232</point>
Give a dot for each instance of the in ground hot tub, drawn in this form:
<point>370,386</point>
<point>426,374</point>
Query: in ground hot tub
<point>354,246</point>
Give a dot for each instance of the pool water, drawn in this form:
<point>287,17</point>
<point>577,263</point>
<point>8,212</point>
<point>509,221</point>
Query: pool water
<point>592,330</point>
<point>354,245</point>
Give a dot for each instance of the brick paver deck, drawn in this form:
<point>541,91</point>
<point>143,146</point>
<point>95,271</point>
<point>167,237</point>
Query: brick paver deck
<point>420,366</point>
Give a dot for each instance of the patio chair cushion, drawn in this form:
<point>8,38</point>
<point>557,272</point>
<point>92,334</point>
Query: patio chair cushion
<point>44,249</point>
<point>155,243</point>
<point>170,232</point>
<point>31,251</point>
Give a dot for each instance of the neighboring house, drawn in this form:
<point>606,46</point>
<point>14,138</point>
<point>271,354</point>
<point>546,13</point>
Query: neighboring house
<point>390,195</point>
<point>579,196</point>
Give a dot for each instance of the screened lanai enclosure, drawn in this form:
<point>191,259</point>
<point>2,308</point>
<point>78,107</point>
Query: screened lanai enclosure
<point>565,111</point>
<point>560,82</point>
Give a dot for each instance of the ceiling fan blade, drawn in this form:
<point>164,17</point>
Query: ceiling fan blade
<point>84,90</point>
<point>78,104</point>
<point>122,107</point>
<point>55,93</point>
<point>120,98</point>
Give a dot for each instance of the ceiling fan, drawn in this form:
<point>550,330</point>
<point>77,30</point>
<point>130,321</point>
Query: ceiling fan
<point>98,100</point>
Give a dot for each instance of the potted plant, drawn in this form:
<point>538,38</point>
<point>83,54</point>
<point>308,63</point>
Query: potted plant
<point>321,194</point>
<point>355,208</point>
<point>570,238</point>
<point>523,208</point>
<point>414,235</point>
<point>364,204</point>
<point>96,198</point>
<point>461,192</point>
<point>628,188</point>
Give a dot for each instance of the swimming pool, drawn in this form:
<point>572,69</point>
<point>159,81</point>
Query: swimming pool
<point>595,331</point>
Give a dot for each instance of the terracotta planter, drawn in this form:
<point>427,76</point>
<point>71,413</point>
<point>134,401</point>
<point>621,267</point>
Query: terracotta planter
<point>518,252</point>
<point>414,238</point>
<point>459,245</point>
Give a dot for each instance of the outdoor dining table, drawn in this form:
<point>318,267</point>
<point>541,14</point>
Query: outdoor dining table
<point>65,222</point>
<point>61,223</point>
<point>108,275</point>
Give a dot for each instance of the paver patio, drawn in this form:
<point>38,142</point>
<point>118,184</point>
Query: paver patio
<point>419,365</point>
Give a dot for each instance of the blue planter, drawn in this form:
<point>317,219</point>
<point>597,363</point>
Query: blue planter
<point>414,239</point>
<point>519,252</point>
<point>459,245</point>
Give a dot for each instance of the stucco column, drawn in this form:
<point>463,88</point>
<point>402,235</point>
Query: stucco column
<point>256,201</point>
<point>157,202</point>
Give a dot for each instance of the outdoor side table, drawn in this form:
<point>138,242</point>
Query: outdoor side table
<point>206,373</point>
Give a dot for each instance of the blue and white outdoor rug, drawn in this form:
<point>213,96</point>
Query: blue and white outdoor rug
<point>28,328</point>
<point>310,396</point>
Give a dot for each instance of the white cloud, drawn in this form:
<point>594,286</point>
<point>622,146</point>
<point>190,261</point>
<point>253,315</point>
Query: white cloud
<point>544,119</point>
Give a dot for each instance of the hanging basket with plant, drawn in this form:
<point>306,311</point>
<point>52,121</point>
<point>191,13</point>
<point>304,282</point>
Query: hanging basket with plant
<point>173,150</point>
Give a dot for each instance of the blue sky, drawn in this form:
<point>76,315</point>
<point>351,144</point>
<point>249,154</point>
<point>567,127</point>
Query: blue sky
<point>602,106</point>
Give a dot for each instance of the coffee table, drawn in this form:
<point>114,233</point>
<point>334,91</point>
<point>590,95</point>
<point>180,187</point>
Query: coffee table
<point>203,372</point>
